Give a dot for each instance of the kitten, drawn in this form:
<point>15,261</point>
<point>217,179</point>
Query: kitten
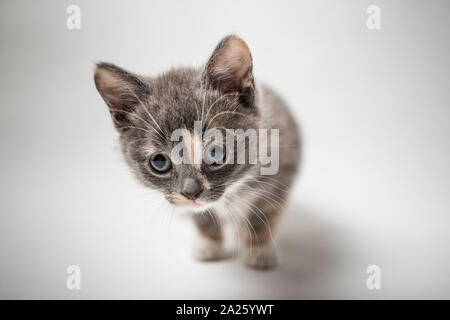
<point>221,95</point>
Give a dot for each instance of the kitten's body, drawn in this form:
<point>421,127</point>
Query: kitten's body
<point>222,95</point>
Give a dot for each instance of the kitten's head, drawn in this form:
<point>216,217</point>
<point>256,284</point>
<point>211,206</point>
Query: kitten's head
<point>147,111</point>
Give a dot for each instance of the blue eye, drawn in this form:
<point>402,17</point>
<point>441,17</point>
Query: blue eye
<point>215,155</point>
<point>160,162</point>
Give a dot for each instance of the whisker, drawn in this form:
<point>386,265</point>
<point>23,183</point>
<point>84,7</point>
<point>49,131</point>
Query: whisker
<point>266,223</point>
<point>133,127</point>
<point>146,110</point>
<point>197,111</point>
<point>275,180</point>
<point>212,217</point>
<point>217,100</point>
<point>248,226</point>
<point>225,112</point>
<point>256,180</point>
<point>203,104</point>
<point>266,198</point>
<point>149,126</point>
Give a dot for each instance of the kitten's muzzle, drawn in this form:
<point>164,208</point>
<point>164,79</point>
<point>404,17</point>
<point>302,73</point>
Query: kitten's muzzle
<point>192,189</point>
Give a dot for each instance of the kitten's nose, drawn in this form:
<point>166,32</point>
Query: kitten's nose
<point>192,188</point>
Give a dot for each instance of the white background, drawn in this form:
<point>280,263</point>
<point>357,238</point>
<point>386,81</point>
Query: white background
<point>374,111</point>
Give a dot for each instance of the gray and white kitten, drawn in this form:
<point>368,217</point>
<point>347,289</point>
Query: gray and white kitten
<point>223,95</point>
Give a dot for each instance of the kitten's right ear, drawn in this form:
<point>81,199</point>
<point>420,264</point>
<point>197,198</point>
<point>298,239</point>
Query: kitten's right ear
<point>121,90</point>
<point>229,69</point>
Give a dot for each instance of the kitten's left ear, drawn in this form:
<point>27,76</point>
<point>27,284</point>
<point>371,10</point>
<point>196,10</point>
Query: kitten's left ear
<point>230,69</point>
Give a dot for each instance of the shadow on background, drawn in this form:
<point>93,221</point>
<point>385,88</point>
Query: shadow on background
<point>312,251</point>
<point>308,243</point>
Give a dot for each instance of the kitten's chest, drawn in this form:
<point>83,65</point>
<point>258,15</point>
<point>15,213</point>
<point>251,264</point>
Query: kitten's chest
<point>235,207</point>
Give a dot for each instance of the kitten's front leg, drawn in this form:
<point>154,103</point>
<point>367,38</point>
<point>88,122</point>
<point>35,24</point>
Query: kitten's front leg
<point>260,251</point>
<point>208,245</point>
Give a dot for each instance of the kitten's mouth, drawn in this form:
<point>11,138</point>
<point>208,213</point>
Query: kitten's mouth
<point>196,205</point>
<point>193,205</point>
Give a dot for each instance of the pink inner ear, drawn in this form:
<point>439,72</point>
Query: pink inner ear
<point>232,65</point>
<point>115,91</point>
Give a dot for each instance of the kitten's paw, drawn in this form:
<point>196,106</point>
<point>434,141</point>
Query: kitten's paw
<point>206,249</point>
<point>263,257</point>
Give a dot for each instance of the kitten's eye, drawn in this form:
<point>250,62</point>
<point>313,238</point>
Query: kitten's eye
<point>215,155</point>
<point>160,162</point>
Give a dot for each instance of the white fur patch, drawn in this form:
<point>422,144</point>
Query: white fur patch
<point>194,148</point>
<point>205,249</point>
<point>235,201</point>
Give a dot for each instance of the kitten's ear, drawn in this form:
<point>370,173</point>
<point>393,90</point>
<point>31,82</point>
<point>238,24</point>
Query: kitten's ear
<point>121,90</point>
<point>230,69</point>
